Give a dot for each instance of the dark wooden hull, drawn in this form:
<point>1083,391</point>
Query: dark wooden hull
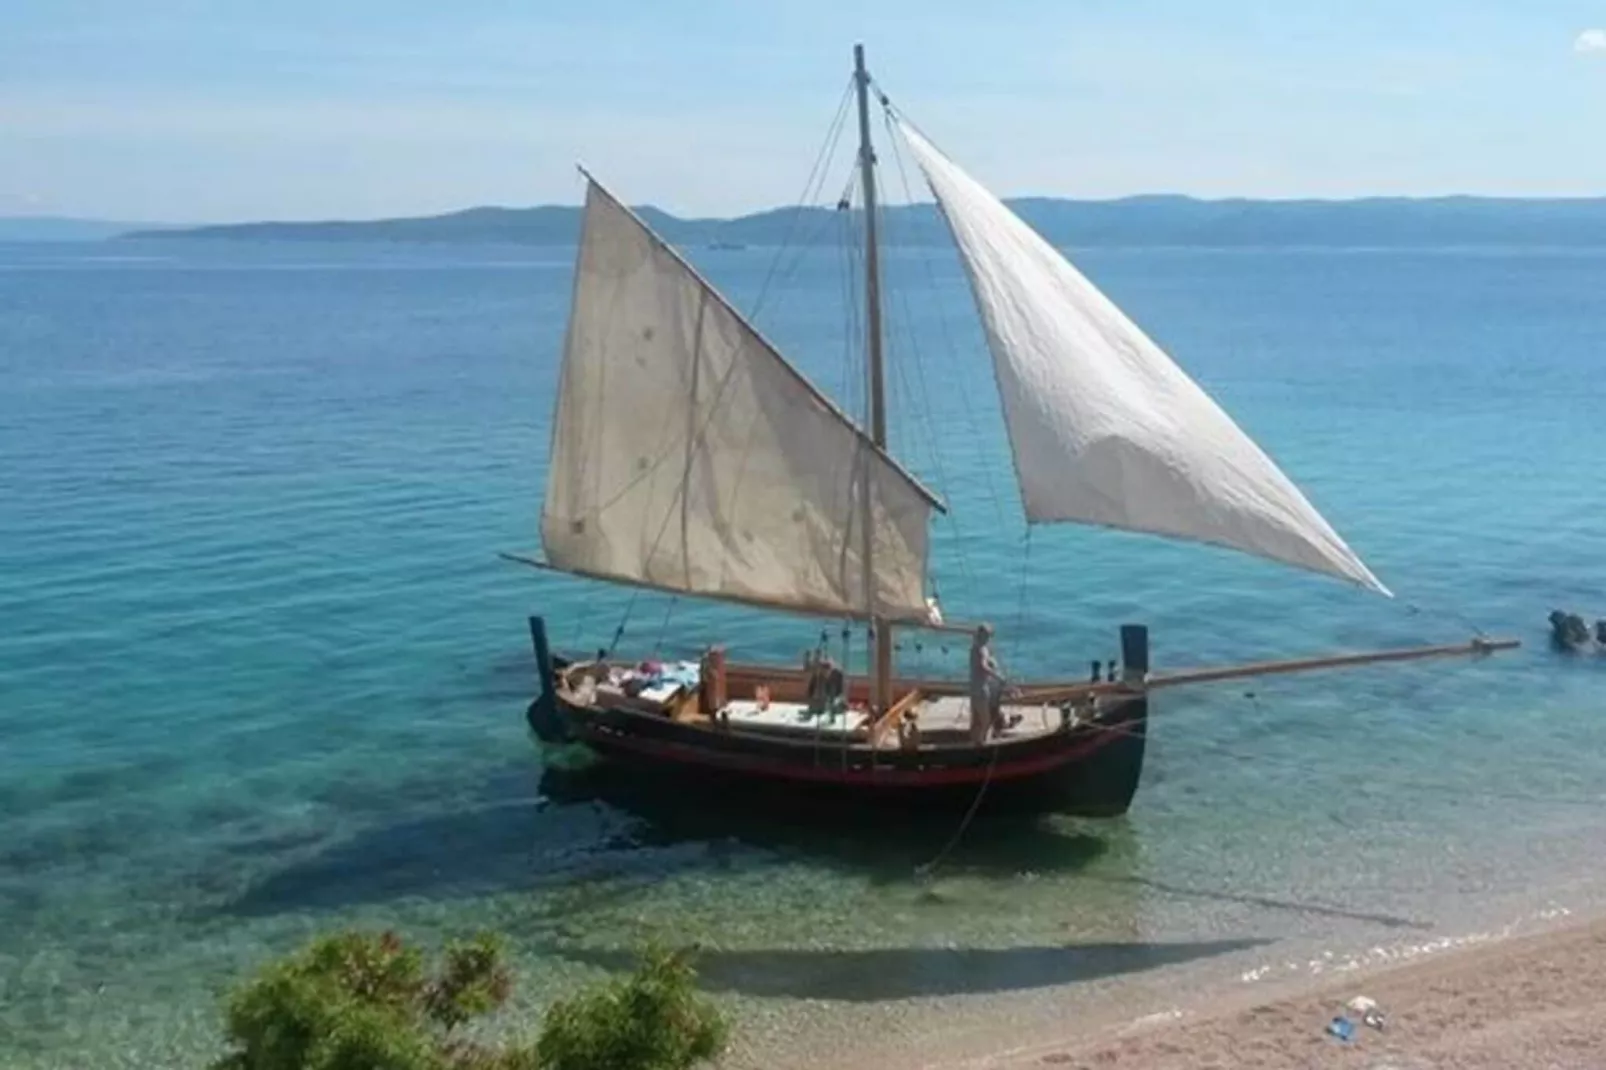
<point>1092,769</point>
<point>1089,767</point>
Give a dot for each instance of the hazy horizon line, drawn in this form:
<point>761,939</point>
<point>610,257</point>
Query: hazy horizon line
<point>63,217</point>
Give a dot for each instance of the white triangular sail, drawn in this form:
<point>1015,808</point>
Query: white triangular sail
<point>1105,428</point>
<point>688,455</point>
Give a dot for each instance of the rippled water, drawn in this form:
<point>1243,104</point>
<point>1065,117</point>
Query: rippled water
<point>261,672</point>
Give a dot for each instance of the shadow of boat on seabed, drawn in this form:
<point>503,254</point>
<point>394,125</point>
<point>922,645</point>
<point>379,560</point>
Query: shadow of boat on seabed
<point>516,843</point>
<point>869,976</point>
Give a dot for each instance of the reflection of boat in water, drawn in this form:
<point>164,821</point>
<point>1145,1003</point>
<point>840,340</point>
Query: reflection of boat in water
<point>690,457</point>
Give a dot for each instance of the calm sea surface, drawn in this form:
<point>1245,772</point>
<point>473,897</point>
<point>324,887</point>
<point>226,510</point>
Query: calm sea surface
<point>261,672</point>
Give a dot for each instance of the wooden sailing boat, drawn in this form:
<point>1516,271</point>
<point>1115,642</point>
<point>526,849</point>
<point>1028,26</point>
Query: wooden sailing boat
<point>748,484</point>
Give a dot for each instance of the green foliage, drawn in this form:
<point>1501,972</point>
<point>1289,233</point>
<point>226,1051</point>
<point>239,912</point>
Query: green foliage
<point>472,983</point>
<point>360,1001</point>
<point>356,1001</point>
<point>652,1020</point>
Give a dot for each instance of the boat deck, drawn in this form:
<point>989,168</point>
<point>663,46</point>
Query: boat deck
<point>941,719</point>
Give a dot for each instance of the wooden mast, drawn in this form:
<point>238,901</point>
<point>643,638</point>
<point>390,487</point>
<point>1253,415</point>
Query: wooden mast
<point>881,630</point>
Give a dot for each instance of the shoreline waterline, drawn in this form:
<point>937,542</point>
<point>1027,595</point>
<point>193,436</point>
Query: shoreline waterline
<point>1526,996</point>
<point>1155,1015</point>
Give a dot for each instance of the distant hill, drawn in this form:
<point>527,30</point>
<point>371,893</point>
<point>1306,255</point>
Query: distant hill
<point>62,228</point>
<point>1132,221</point>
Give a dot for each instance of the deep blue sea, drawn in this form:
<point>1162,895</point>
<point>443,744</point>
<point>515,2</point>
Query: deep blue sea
<point>261,672</point>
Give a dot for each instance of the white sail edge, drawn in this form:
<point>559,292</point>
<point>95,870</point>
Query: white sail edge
<point>1105,428</point>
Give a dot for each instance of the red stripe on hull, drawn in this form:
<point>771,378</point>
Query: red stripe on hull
<point>886,775</point>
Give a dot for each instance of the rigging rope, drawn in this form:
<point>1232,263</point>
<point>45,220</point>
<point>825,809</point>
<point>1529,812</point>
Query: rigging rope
<point>663,626</point>
<point>619,632</point>
<point>889,113</point>
<point>852,331</point>
<point>811,190</point>
<point>975,804</point>
<point>951,350</point>
<point>966,576</point>
<point>1025,585</point>
<point>922,400</point>
<point>1416,608</point>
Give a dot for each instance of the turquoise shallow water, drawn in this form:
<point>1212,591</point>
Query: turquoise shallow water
<point>261,672</point>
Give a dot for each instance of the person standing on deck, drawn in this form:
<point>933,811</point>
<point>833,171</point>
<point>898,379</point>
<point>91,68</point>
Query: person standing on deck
<point>986,686</point>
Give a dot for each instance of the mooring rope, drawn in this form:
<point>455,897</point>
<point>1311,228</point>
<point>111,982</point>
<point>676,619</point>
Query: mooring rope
<point>959,833</point>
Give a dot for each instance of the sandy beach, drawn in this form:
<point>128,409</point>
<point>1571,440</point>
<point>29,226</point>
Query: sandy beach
<point>1527,1002</point>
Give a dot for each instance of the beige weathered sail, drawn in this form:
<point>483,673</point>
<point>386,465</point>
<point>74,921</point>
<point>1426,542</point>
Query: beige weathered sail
<point>1105,428</point>
<point>688,455</point>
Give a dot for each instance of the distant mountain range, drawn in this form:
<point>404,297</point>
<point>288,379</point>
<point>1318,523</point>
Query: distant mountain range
<point>1131,221</point>
<point>61,228</point>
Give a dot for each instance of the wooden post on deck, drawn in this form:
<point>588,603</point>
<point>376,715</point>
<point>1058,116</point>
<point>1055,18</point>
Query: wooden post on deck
<point>543,655</point>
<point>545,719</point>
<point>1134,653</point>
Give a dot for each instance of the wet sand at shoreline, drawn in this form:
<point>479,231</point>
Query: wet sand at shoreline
<point>1533,1001</point>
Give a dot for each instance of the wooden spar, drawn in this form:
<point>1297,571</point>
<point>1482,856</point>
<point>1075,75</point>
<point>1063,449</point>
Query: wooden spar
<point>1333,661</point>
<point>894,711</point>
<point>757,603</point>
<point>880,627</point>
<point>1181,677</point>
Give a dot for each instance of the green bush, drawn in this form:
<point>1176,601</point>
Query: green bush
<point>652,1020</point>
<point>358,1001</point>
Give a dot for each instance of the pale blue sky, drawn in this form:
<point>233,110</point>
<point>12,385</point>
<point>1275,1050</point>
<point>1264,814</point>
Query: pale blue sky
<point>218,110</point>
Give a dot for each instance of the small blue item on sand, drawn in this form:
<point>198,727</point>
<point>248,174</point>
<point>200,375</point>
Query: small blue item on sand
<point>1342,1028</point>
